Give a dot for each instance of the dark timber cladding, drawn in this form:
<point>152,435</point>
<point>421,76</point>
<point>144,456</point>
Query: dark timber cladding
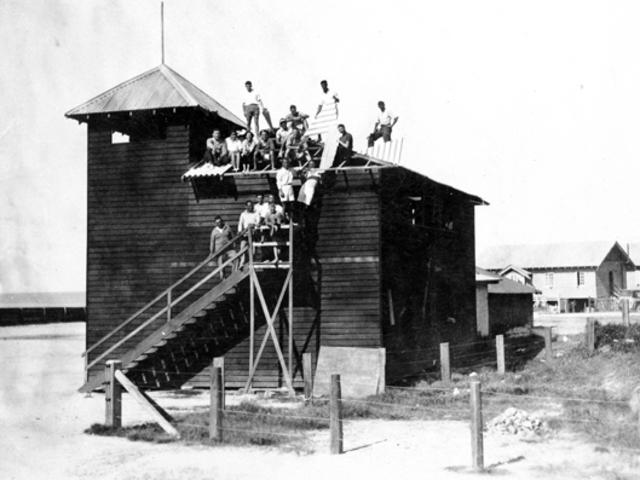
<point>382,258</point>
<point>348,237</point>
<point>428,269</point>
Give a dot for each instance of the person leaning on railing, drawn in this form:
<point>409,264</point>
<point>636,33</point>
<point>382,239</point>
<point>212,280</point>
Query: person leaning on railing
<point>220,236</point>
<point>249,218</point>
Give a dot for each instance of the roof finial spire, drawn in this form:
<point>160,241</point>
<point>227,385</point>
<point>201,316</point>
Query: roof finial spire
<point>162,29</point>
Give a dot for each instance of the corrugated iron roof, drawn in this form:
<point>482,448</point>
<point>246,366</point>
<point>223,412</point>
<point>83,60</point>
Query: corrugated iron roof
<point>501,285</point>
<point>558,255</point>
<point>43,300</point>
<point>160,87</point>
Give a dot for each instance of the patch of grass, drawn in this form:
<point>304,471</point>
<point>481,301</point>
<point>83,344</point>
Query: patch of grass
<point>147,432</point>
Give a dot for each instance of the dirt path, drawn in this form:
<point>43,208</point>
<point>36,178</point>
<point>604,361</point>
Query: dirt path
<point>42,418</point>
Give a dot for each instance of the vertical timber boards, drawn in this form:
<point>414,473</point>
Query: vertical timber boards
<point>428,270</point>
<point>348,232</point>
<point>137,208</point>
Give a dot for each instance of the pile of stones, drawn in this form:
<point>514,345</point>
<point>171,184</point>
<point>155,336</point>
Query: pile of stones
<point>517,422</point>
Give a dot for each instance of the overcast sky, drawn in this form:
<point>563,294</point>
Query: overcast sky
<point>535,106</point>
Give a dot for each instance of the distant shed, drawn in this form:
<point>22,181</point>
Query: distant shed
<point>502,303</point>
<point>42,307</point>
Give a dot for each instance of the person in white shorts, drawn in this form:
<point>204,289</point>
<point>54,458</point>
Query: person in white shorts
<point>234,148</point>
<point>252,105</point>
<point>284,182</point>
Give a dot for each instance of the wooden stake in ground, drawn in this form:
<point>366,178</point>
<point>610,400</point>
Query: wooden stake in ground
<point>215,408</point>
<point>219,362</point>
<point>625,313</point>
<point>590,335</point>
<point>445,366</point>
<point>477,444</point>
<point>500,360</point>
<point>335,416</point>
<point>307,373</point>
<point>548,349</point>
<point>113,395</point>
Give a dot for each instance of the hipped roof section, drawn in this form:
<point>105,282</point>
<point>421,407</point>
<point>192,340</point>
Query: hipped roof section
<point>158,88</point>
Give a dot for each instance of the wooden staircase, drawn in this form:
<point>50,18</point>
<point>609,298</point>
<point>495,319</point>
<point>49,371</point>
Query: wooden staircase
<point>176,335</point>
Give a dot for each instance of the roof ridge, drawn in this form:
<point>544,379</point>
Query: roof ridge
<point>170,75</point>
<point>110,91</point>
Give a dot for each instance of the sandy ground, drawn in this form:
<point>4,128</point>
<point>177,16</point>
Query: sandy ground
<point>42,418</point>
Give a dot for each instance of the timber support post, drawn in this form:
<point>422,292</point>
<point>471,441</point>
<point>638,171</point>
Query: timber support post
<point>548,348</point>
<point>477,441</point>
<point>216,409</point>
<point>625,313</point>
<point>500,358</point>
<point>445,365</point>
<point>113,395</point>
<point>335,416</point>
<point>219,362</point>
<point>307,373</point>
<point>590,335</point>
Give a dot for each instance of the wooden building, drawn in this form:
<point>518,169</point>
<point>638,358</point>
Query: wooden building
<point>383,257</point>
<point>571,277</point>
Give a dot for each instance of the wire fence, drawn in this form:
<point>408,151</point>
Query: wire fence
<point>495,407</point>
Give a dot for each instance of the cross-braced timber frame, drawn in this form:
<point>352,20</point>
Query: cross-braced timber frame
<point>255,289</point>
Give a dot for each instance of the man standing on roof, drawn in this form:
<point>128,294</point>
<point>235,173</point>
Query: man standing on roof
<point>384,125</point>
<point>251,105</point>
<point>220,236</point>
<point>327,98</point>
<point>345,145</point>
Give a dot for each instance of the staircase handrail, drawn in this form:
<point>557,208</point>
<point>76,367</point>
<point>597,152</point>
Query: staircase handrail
<point>167,293</point>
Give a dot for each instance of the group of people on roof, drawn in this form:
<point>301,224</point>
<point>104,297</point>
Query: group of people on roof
<point>266,149</point>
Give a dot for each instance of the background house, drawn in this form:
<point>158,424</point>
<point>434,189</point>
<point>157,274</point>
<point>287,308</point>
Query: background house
<point>502,303</point>
<point>569,276</point>
<point>633,275</point>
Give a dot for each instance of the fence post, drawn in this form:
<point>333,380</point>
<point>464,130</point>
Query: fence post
<point>625,313</point>
<point>215,410</point>
<point>500,359</point>
<point>547,345</point>
<point>445,366</point>
<point>590,335</point>
<point>308,375</point>
<point>477,446</point>
<point>219,362</point>
<point>113,395</point>
<point>335,415</point>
